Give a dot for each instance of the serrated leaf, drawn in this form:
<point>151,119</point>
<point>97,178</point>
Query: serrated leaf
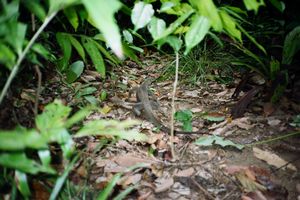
<point>102,14</point>
<point>208,9</point>
<point>74,71</point>
<point>156,27</point>
<point>95,55</point>
<point>199,28</point>
<point>141,15</point>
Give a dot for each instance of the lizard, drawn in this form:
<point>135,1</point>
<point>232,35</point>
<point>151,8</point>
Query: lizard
<point>143,97</point>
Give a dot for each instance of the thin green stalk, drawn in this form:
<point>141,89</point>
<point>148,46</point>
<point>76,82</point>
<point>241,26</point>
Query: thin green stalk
<point>16,67</point>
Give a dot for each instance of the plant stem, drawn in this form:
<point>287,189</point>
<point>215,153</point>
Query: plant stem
<point>16,67</point>
<point>173,106</point>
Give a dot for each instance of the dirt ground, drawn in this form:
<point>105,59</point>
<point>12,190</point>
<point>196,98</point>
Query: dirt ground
<point>266,170</point>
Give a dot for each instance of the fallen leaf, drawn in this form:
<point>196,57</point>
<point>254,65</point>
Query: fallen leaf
<point>268,109</point>
<point>272,159</point>
<point>133,179</point>
<point>185,173</point>
<point>274,122</point>
<point>163,184</point>
<point>129,160</point>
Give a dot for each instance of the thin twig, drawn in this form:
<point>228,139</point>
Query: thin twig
<point>173,107</point>
<point>204,191</point>
<point>38,89</point>
<point>21,57</point>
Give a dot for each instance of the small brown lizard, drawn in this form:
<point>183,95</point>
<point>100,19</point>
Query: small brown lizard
<point>143,97</point>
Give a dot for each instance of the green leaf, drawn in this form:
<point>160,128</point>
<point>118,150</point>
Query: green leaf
<point>141,15</point>
<point>102,14</point>
<point>229,25</point>
<point>279,5</point>
<point>274,69</point>
<point>291,45</point>
<point>111,128</point>
<point>41,50</point>
<point>22,183</point>
<point>127,36</point>
<point>20,162</point>
<point>91,99</point>
<point>96,57</point>
<point>156,27</point>
<point>78,116</point>
<point>56,5</point>
<point>74,71</point>
<point>213,139</point>
<point>7,56</point>
<point>172,40</point>
<point>107,54</point>
<point>19,139</point>
<point>54,116</point>
<point>208,9</point>
<point>253,4</point>
<point>65,45</point>
<point>16,36</point>
<point>129,53</point>
<point>185,117</point>
<point>72,17</point>
<point>166,6</point>
<point>199,28</point>
<point>175,25</point>
<point>36,8</point>
<point>213,117</point>
<point>104,194</point>
<point>61,180</point>
<point>103,95</point>
<point>86,91</point>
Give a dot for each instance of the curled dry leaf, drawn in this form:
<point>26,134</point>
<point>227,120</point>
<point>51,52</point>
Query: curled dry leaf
<point>272,159</point>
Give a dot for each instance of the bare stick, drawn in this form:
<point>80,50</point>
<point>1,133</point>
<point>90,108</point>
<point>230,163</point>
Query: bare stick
<point>38,89</point>
<point>21,57</point>
<point>173,106</point>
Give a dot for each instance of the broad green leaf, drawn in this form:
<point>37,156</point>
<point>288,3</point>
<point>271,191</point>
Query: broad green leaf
<point>199,28</point>
<point>279,5</point>
<point>16,37</point>
<point>78,116</point>
<point>291,45</point>
<point>7,56</point>
<point>208,9</point>
<point>36,8</point>
<point>129,53</point>
<point>56,5</point>
<point>22,183</point>
<point>229,25</point>
<point>11,10</point>
<point>78,47</point>
<point>107,54</point>
<point>156,27</point>
<point>141,15</point>
<point>253,4</point>
<point>172,40</point>
<point>127,36</point>
<point>166,6</point>
<point>20,162</point>
<point>91,99</point>
<point>111,128</point>
<point>175,25</point>
<point>96,57</point>
<point>86,91</point>
<point>53,116</point>
<point>41,50</point>
<point>19,139</point>
<point>45,157</point>
<point>72,16</point>
<point>185,117</point>
<point>213,139</point>
<point>66,47</point>
<point>214,117</point>
<point>102,14</point>
<point>74,71</point>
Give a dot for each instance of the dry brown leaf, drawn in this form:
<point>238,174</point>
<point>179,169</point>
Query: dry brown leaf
<point>274,122</point>
<point>268,109</point>
<point>186,173</point>
<point>129,160</point>
<point>272,159</point>
<point>132,179</point>
<point>163,184</point>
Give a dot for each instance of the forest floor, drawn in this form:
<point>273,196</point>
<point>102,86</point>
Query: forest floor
<point>263,171</point>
